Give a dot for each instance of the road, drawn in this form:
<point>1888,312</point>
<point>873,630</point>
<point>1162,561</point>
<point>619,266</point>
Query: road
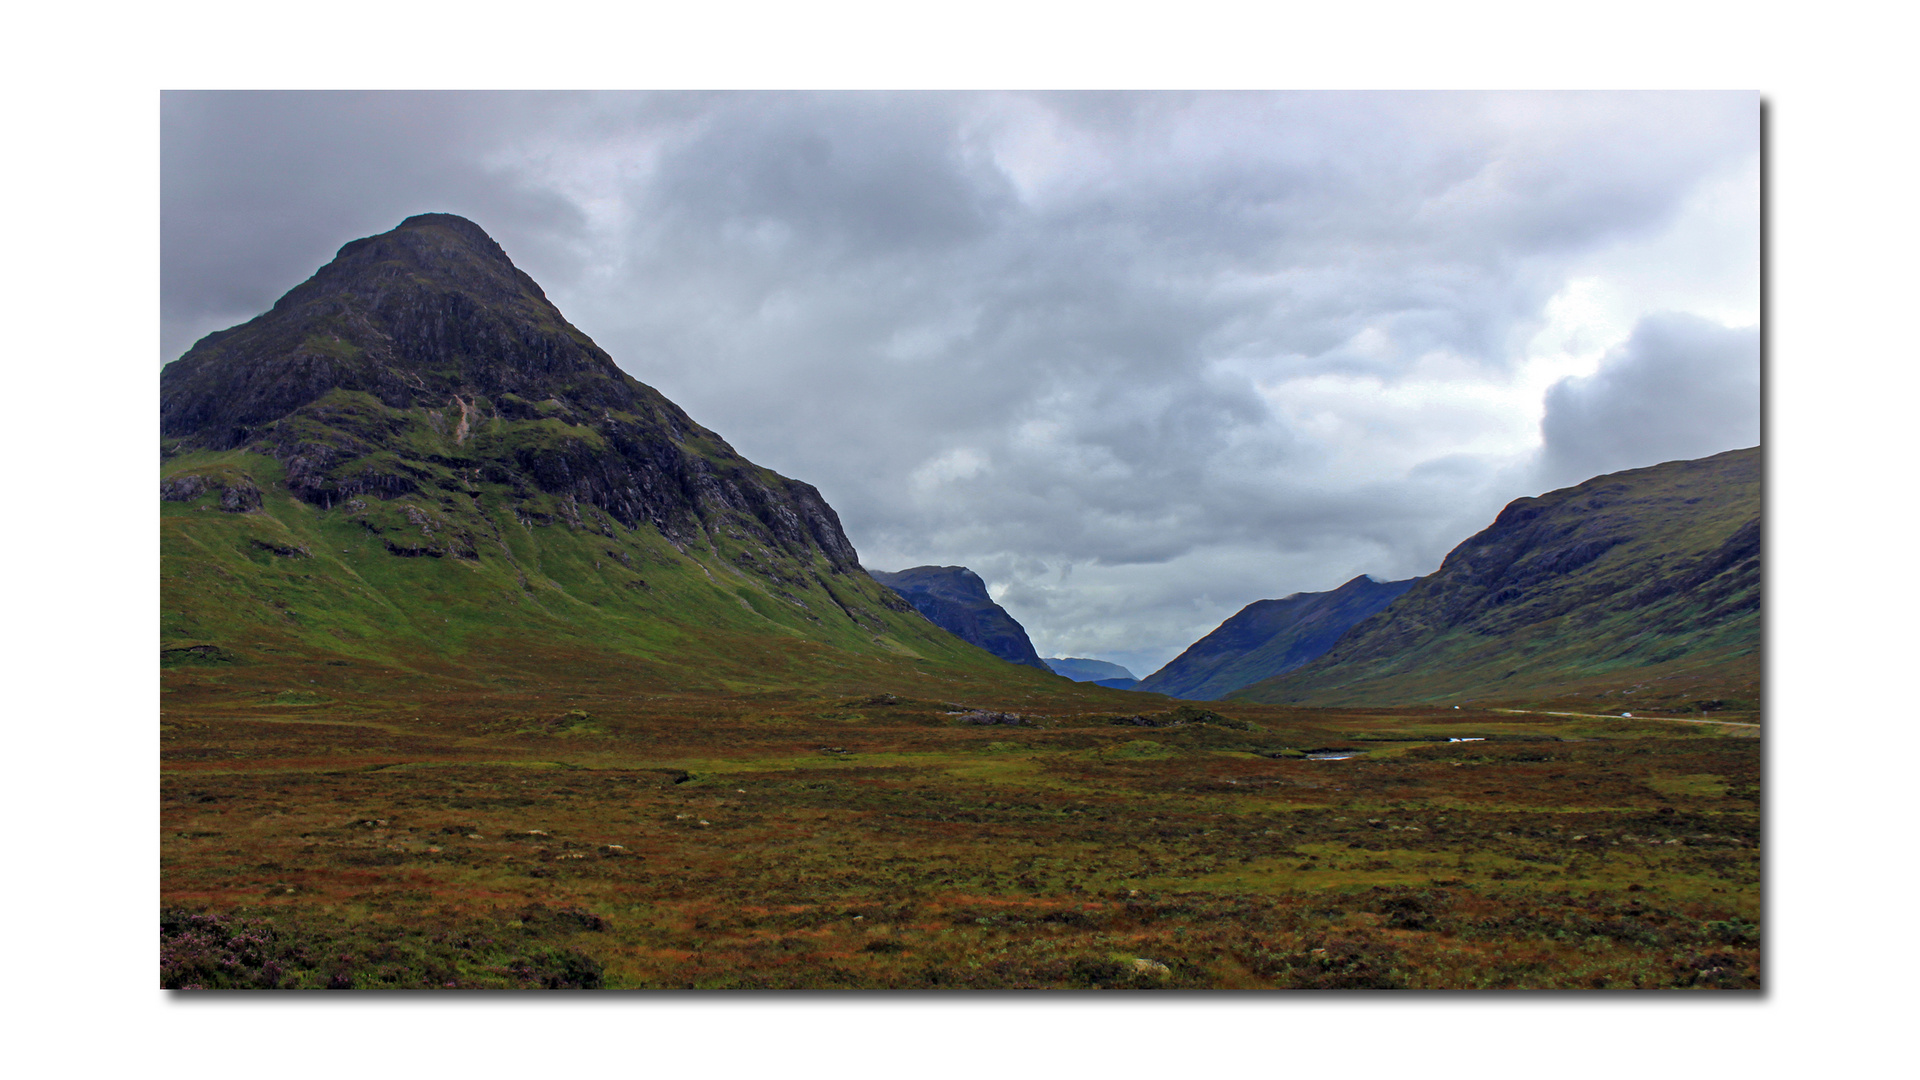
<point>1607,716</point>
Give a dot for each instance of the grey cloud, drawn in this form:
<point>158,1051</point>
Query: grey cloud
<point>1027,333</point>
<point>1681,387</point>
<point>863,172</point>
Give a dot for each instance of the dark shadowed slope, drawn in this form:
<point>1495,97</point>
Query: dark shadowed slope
<point>955,599</point>
<point>1639,587</point>
<point>1271,637</point>
<point>414,462</point>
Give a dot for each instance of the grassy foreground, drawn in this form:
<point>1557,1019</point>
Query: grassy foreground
<point>320,835</point>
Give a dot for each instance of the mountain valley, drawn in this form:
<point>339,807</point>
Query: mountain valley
<point>484,665</point>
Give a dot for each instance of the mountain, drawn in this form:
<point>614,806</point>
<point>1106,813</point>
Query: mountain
<point>414,463</point>
<point>1270,637</point>
<point>1097,672</point>
<point>1635,588</point>
<point>955,599</point>
<point>1080,669</point>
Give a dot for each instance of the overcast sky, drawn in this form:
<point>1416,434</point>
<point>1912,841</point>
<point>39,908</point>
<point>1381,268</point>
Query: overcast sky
<point>1137,359</point>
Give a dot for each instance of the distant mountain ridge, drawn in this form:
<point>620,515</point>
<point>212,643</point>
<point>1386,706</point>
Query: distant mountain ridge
<point>956,600</point>
<point>1081,669</point>
<point>1637,587</point>
<point>1271,637</point>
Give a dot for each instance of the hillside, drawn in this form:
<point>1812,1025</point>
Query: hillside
<point>1270,637</point>
<point>413,464</point>
<point>1638,587</point>
<point>956,600</point>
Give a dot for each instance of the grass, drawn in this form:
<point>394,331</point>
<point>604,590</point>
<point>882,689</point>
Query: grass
<point>426,584</point>
<point>791,839</point>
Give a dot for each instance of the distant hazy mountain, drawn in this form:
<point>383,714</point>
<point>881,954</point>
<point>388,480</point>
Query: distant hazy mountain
<point>1638,587</point>
<point>1080,669</point>
<point>1271,637</point>
<point>1097,672</point>
<point>955,599</point>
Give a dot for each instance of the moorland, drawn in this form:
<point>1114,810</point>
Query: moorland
<point>595,836</point>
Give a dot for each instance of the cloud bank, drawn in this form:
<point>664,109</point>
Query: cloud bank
<point>1680,387</point>
<point>1137,358</point>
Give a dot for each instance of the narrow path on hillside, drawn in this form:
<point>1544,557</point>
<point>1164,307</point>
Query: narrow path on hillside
<point>1605,716</point>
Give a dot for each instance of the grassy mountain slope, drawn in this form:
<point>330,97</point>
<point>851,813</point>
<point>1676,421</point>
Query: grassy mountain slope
<point>1270,637</point>
<point>414,465</point>
<point>486,585</point>
<point>1638,587</point>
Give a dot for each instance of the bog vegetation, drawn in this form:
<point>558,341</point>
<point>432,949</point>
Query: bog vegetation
<point>325,836</point>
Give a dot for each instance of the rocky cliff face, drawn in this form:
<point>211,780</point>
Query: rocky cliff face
<point>1607,588</point>
<point>956,600</point>
<point>1271,637</point>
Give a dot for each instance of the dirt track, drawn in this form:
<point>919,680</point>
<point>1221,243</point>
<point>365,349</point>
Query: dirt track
<point>1608,716</point>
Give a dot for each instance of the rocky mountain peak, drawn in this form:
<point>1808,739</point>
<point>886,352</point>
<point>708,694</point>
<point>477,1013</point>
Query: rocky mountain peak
<point>423,359</point>
<point>429,249</point>
<point>429,313</point>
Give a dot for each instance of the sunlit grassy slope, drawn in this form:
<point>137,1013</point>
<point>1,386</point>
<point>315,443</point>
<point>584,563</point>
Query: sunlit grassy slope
<point>477,583</point>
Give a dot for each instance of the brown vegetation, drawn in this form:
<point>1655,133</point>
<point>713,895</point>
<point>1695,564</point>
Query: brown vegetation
<point>867,839</point>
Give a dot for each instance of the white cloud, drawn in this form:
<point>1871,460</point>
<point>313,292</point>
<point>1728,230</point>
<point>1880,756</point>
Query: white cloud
<point>1680,387</point>
<point>938,473</point>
